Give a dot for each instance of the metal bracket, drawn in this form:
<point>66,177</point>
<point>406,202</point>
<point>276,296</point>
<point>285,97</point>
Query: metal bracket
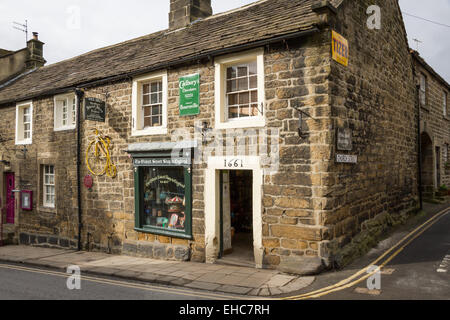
<point>300,122</point>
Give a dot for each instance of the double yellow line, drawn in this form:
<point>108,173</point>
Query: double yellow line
<point>144,287</point>
<point>381,262</point>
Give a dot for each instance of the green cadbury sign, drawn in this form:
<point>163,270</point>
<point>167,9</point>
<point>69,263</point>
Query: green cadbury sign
<point>190,95</point>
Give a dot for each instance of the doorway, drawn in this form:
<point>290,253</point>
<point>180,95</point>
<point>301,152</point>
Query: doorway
<point>438,167</point>
<point>236,205</point>
<point>9,196</point>
<point>427,166</point>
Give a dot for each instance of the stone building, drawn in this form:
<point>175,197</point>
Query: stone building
<point>242,137</point>
<point>434,126</point>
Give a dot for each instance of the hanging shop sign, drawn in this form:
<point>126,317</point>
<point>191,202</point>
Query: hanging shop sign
<point>344,139</point>
<point>340,49</point>
<point>345,158</point>
<point>94,109</point>
<point>190,95</point>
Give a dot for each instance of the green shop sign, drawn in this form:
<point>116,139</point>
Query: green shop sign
<point>190,95</point>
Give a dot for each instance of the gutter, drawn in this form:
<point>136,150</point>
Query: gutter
<point>207,55</point>
<point>80,94</point>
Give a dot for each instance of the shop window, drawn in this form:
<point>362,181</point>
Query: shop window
<point>240,91</point>
<point>149,103</point>
<point>48,186</point>
<point>423,90</point>
<point>65,112</point>
<point>24,123</point>
<point>163,197</point>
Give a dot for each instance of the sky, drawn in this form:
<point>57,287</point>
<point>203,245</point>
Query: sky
<point>73,27</point>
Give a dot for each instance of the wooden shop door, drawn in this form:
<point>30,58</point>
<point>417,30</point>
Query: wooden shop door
<point>10,202</point>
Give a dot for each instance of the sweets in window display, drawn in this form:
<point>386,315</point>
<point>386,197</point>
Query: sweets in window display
<point>164,199</point>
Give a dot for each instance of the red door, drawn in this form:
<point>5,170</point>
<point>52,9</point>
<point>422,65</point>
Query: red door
<point>10,203</point>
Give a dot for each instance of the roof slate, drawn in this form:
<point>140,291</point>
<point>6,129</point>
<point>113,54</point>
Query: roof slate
<point>259,21</point>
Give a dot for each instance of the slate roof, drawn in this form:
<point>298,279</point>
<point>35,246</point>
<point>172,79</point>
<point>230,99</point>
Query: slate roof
<point>4,52</point>
<point>419,59</point>
<point>262,20</point>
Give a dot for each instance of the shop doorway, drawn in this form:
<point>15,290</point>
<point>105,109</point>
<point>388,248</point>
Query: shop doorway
<point>9,198</point>
<point>236,203</point>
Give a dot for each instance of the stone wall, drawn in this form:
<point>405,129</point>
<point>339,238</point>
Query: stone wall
<point>375,97</point>
<point>434,124</point>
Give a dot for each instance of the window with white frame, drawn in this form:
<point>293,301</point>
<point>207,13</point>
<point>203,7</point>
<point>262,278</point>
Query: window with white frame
<point>149,104</point>
<point>240,90</point>
<point>423,90</point>
<point>24,123</point>
<point>48,190</point>
<point>444,103</point>
<point>65,112</point>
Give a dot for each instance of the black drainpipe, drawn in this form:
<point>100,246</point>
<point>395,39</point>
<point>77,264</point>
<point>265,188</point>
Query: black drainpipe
<point>419,137</point>
<point>80,95</point>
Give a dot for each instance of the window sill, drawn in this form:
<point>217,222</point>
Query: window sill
<point>167,233</point>
<point>46,210</point>
<point>24,142</point>
<point>149,132</point>
<point>241,124</point>
<point>64,128</point>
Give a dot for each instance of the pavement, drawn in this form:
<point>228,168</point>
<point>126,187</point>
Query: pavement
<point>200,276</point>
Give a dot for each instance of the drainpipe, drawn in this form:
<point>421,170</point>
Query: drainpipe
<point>80,95</point>
<point>419,137</point>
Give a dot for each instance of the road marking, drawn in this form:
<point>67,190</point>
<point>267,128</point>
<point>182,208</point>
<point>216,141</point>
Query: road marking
<point>387,272</point>
<point>367,291</point>
<point>348,283</point>
<point>444,265</point>
<point>145,287</point>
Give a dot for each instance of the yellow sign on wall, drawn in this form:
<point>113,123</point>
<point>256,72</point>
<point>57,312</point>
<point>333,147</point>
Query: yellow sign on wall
<point>340,48</point>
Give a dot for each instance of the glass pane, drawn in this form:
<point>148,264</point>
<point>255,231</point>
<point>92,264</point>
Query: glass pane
<point>232,99</point>
<point>154,98</point>
<point>244,111</point>
<point>252,68</point>
<point>155,87</point>
<point>231,72</point>
<point>231,85</point>
<point>156,121</point>
<point>147,122</point>
<point>253,82</point>
<point>243,84</point>
<point>160,97</point>
<point>156,110</point>
<point>242,71</point>
<point>254,96</point>
<point>244,98</point>
<point>254,110</point>
<point>233,112</point>
<point>147,111</point>
<point>146,88</point>
<point>163,198</point>
<point>146,100</point>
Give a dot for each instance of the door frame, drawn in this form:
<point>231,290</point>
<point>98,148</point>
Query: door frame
<point>212,204</point>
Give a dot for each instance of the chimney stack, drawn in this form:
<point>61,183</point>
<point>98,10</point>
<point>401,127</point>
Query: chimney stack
<point>35,53</point>
<point>184,12</point>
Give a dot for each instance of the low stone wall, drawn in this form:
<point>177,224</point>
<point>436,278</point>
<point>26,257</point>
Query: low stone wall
<point>156,250</point>
<point>47,241</point>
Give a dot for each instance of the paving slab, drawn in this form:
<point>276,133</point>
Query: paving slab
<point>220,278</point>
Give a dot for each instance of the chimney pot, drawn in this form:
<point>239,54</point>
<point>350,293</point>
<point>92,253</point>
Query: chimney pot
<point>35,35</point>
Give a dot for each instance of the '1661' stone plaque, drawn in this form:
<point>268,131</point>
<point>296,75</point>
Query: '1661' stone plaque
<point>344,139</point>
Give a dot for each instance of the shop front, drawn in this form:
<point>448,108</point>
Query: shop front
<point>163,193</point>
